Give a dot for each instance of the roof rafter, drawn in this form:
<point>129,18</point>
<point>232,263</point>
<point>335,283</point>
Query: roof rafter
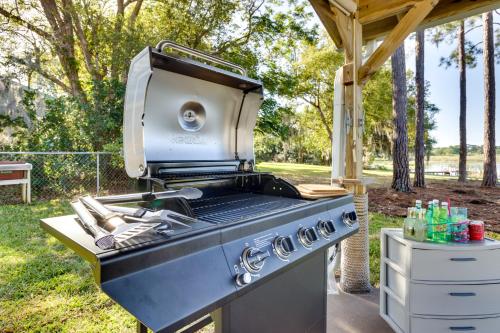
<point>374,10</point>
<point>406,25</point>
<point>326,16</point>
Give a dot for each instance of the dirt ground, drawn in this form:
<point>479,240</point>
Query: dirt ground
<point>482,203</point>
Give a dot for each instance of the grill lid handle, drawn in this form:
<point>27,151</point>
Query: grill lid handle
<point>201,55</point>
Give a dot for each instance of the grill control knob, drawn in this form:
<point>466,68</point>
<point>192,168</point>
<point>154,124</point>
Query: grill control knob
<point>253,259</point>
<point>349,218</point>
<point>284,246</point>
<point>307,236</point>
<point>243,279</point>
<point>326,228</point>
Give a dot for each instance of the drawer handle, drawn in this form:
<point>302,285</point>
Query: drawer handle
<point>463,259</point>
<point>462,294</point>
<point>462,328</point>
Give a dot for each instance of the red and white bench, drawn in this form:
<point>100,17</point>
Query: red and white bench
<point>17,173</point>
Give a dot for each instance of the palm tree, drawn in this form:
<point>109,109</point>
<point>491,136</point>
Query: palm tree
<point>490,168</point>
<point>400,169</point>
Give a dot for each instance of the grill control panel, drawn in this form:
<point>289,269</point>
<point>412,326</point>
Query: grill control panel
<point>262,254</point>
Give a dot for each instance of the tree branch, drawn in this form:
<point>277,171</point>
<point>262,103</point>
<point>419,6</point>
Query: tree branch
<point>473,28</point>
<point>26,24</point>
<point>134,14</point>
<point>87,56</point>
<point>37,68</point>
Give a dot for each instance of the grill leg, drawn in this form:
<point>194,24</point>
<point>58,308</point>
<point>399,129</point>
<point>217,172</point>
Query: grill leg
<point>141,328</point>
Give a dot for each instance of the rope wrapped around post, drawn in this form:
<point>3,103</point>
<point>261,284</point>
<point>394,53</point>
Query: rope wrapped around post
<point>355,277</point>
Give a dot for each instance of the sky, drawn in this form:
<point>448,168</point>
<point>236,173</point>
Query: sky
<point>445,93</point>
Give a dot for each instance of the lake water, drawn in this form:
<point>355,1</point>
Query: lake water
<point>474,169</point>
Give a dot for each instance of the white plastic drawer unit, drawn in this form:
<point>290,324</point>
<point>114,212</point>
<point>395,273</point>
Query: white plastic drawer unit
<point>455,300</point>
<point>483,325</point>
<point>441,265</point>
<point>434,288</point>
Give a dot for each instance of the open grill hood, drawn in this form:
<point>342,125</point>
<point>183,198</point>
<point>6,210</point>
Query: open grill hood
<point>181,113</point>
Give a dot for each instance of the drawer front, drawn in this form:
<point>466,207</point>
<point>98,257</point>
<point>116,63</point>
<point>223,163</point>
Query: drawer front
<point>437,265</point>
<point>486,325</point>
<point>396,252</point>
<point>455,300</point>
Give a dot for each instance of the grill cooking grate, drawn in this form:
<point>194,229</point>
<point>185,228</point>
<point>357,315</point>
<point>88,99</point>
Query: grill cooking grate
<point>239,207</point>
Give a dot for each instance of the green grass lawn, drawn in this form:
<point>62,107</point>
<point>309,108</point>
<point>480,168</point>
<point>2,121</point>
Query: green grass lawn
<point>45,287</point>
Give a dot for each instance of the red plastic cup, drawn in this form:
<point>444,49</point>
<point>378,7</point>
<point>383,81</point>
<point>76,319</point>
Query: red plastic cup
<point>476,230</point>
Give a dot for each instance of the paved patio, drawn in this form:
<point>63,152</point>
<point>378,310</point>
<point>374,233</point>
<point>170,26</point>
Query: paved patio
<point>355,313</point>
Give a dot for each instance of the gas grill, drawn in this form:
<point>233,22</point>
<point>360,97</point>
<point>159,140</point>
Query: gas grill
<point>250,254</point>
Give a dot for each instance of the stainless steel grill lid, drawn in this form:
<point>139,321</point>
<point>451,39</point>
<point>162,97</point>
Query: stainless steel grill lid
<point>180,112</point>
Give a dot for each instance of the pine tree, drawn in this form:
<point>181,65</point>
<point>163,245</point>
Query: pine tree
<point>401,169</point>
<point>420,110</point>
<point>490,167</point>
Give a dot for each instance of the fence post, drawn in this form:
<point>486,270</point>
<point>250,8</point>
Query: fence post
<point>97,173</point>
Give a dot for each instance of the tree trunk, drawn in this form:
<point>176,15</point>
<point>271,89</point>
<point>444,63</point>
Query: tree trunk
<point>420,112</point>
<point>462,163</point>
<point>490,167</point>
<point>64,43</point>
<point>400,172</point>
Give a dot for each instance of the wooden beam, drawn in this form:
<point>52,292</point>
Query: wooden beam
<point>326,16</point>
<point>348,73</point>
<point>349,7</point>
<point>445,11</point>
<point>354,108</point>
<point>451,10</point>
<point>407,25</point>
<point>375,10</point>
<point>344,26</point>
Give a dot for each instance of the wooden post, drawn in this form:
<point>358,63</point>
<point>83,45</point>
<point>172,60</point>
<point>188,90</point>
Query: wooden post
<point>355,276</point>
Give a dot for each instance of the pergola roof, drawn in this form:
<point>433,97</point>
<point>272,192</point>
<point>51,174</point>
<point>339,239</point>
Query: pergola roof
<point>392,19</point>
<point>379,17</point>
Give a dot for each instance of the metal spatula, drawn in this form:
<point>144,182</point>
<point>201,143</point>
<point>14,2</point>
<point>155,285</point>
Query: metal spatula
<point>114,223</point>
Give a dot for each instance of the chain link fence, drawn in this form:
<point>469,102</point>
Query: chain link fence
<point>67,174</point>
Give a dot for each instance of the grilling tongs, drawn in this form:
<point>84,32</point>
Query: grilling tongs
<point>188,193</point>
<point>165,217</point>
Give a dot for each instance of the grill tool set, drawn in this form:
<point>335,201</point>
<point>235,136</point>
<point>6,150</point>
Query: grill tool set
<point>110,224</point>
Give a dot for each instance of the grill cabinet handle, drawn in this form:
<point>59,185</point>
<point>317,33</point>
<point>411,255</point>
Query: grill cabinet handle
<point>201,55</point>
<point>463,259</point>
<point>462,328</point>
<point>462,294</point>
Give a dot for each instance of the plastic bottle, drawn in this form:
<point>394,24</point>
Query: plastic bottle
<point>435,211</point>
<point>428,218</point>
<point>428,214</point>
<point>443,213</point>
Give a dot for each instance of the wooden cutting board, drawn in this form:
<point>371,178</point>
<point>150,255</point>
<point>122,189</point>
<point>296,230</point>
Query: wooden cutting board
<point>317,191</point>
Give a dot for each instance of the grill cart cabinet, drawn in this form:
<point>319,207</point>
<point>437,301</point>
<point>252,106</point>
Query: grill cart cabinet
<point>426,287</point>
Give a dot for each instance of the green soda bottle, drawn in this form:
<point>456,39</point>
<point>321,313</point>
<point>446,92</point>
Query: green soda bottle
<point>444,235</point>
<point>428,219</point>
<point>435,211</point>
<point>428,214</point>
<point>443,213</point>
